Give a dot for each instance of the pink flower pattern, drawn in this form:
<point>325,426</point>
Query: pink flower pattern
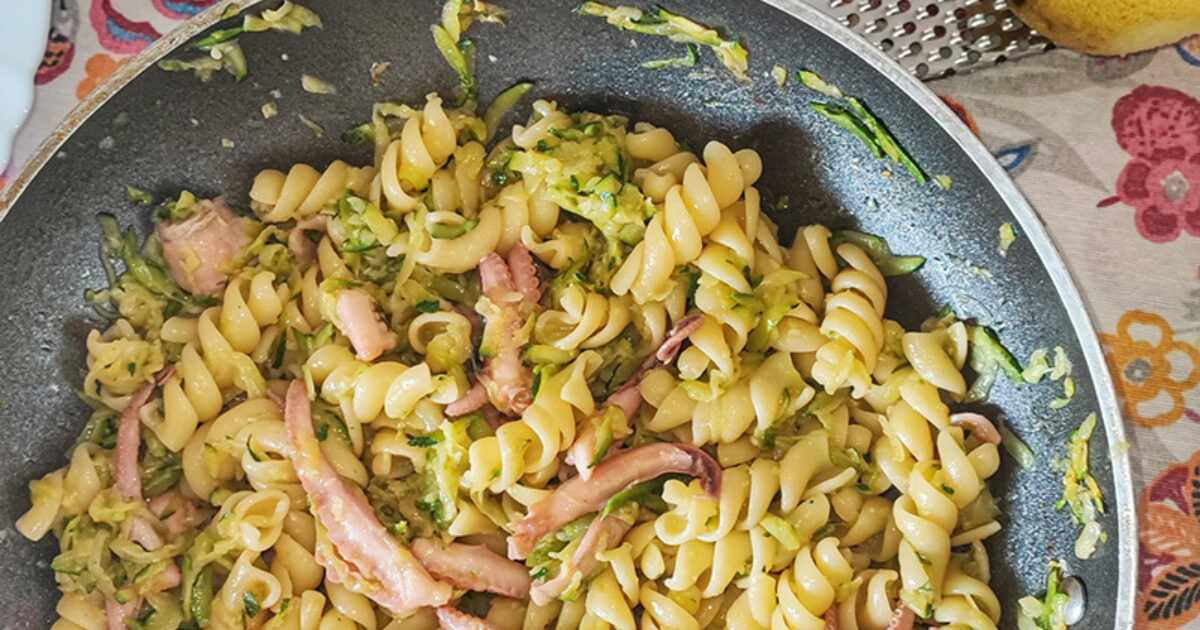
<point>1160,128</point>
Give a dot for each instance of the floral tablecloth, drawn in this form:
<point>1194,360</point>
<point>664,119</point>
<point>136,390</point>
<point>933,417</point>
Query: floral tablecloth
<point>1106,150</point>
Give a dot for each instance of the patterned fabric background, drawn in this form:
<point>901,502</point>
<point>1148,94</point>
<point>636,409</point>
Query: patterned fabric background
<point>1107,151</point>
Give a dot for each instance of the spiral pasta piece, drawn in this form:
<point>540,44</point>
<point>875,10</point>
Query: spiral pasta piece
<point>691,210</point>
<point>254,520</point>
<point>426,142</point>
<point>387,391</point>
<point>582,320</point>
<point>853,320</point>
<point>228,605</point>
<point>304,191</point>
<point>294,563</point>
<point>532,444</point>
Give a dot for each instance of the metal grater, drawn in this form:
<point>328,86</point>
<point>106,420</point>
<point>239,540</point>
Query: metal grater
<point>938,38</point>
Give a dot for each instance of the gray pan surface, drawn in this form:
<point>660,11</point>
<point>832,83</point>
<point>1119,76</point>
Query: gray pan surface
<point>163,131</point>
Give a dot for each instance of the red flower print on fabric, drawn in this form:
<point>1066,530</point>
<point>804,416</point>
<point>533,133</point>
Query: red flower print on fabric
<point>960,110</point>
<point>1169,571</point>
<point>1160,128</point>
<point>56,59</point>
<point>117,32</point>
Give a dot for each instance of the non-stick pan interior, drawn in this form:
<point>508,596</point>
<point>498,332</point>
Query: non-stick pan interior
<point>168,131</point>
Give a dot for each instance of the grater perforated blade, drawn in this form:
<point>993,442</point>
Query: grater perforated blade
<point>937,38</point>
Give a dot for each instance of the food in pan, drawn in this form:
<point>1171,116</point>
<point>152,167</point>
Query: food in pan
<point>561,376</point>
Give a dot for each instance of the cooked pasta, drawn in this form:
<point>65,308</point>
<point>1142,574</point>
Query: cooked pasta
<point>579,370</point>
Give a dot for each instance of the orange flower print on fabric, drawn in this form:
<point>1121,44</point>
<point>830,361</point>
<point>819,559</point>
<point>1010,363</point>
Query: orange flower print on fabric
<point>1169,570</point>
<point>98,68</point>
<point>1151,368</point>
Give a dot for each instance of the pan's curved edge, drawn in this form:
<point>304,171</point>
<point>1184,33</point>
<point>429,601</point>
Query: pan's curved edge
<point>922,95</point>
<point>1034,230</point>
<point>122,76</point>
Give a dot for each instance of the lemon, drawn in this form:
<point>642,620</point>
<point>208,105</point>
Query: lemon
<point>1110,27</point>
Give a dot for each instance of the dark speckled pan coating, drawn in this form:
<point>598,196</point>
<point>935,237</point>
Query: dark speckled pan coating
<point>164,132</point>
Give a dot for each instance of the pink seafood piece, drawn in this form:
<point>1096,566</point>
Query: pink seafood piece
<point>168,578</point>
<point>583,452</point>
<point>128,480</point>
<point>378,566</point>
<point>524,273</point>
<point>472,401</point>
<point>367,332</point>
<point>176,511</point>
<point>142,532</point>
<point>628,397</point>
<point>902,618</point>
<point>512,288</point>
<point>451,618</point>
<point>980,426</point>
<point>676,336</point>
<point>666,352</point>
<point>473,567</point>
<point>275,398</point>
<point>202,249</point>
<point>129,440</point>
<point>115,614</point>
<point>831,618</point>
<point>302,248</point>
<point>603,534</point>
<point>578,496</point>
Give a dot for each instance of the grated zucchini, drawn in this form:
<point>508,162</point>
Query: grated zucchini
<point>658,21</point>
<point>860,121</point>
<point>877,248</point>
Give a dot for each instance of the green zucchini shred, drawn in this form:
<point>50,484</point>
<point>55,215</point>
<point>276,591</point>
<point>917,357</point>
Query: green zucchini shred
<point>289,18</point>
<point>1068,394</point>
<point>316,85</point>
<point>449,231</point>
<point>658,21</point>
<point>687,60</point>
<point>1008,236</point>
<point>1037,367</point>
<point>1081,491</point>
<point>814,81</point>
<point>457,16</point>
<point>313,126</point>
<point>1015,447</point>
<point>501,105</point>
<point>779,74</point>
<point>881,254</point>
<point>847,121</point>
<point>644,492</point>
<point>219,36</point>
<point>250,602</point>
<point>139,196</point>
<point>1049,612</point>
<point>778,528</point>
<point>445,462</point>
<point>224,51</point>
<point>859,120</point>
<point>203,67</point>
<point>988,358</point>
<point>360,134</point>
<point>200,604</point>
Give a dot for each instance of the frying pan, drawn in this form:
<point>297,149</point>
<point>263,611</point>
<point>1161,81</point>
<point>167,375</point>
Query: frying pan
<point>163,132</point>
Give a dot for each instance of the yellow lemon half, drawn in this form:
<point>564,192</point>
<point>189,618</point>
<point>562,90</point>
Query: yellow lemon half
<point>1111,27</point>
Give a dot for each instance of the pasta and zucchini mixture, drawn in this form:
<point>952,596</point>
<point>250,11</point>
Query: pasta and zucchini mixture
<point>573,379</point>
